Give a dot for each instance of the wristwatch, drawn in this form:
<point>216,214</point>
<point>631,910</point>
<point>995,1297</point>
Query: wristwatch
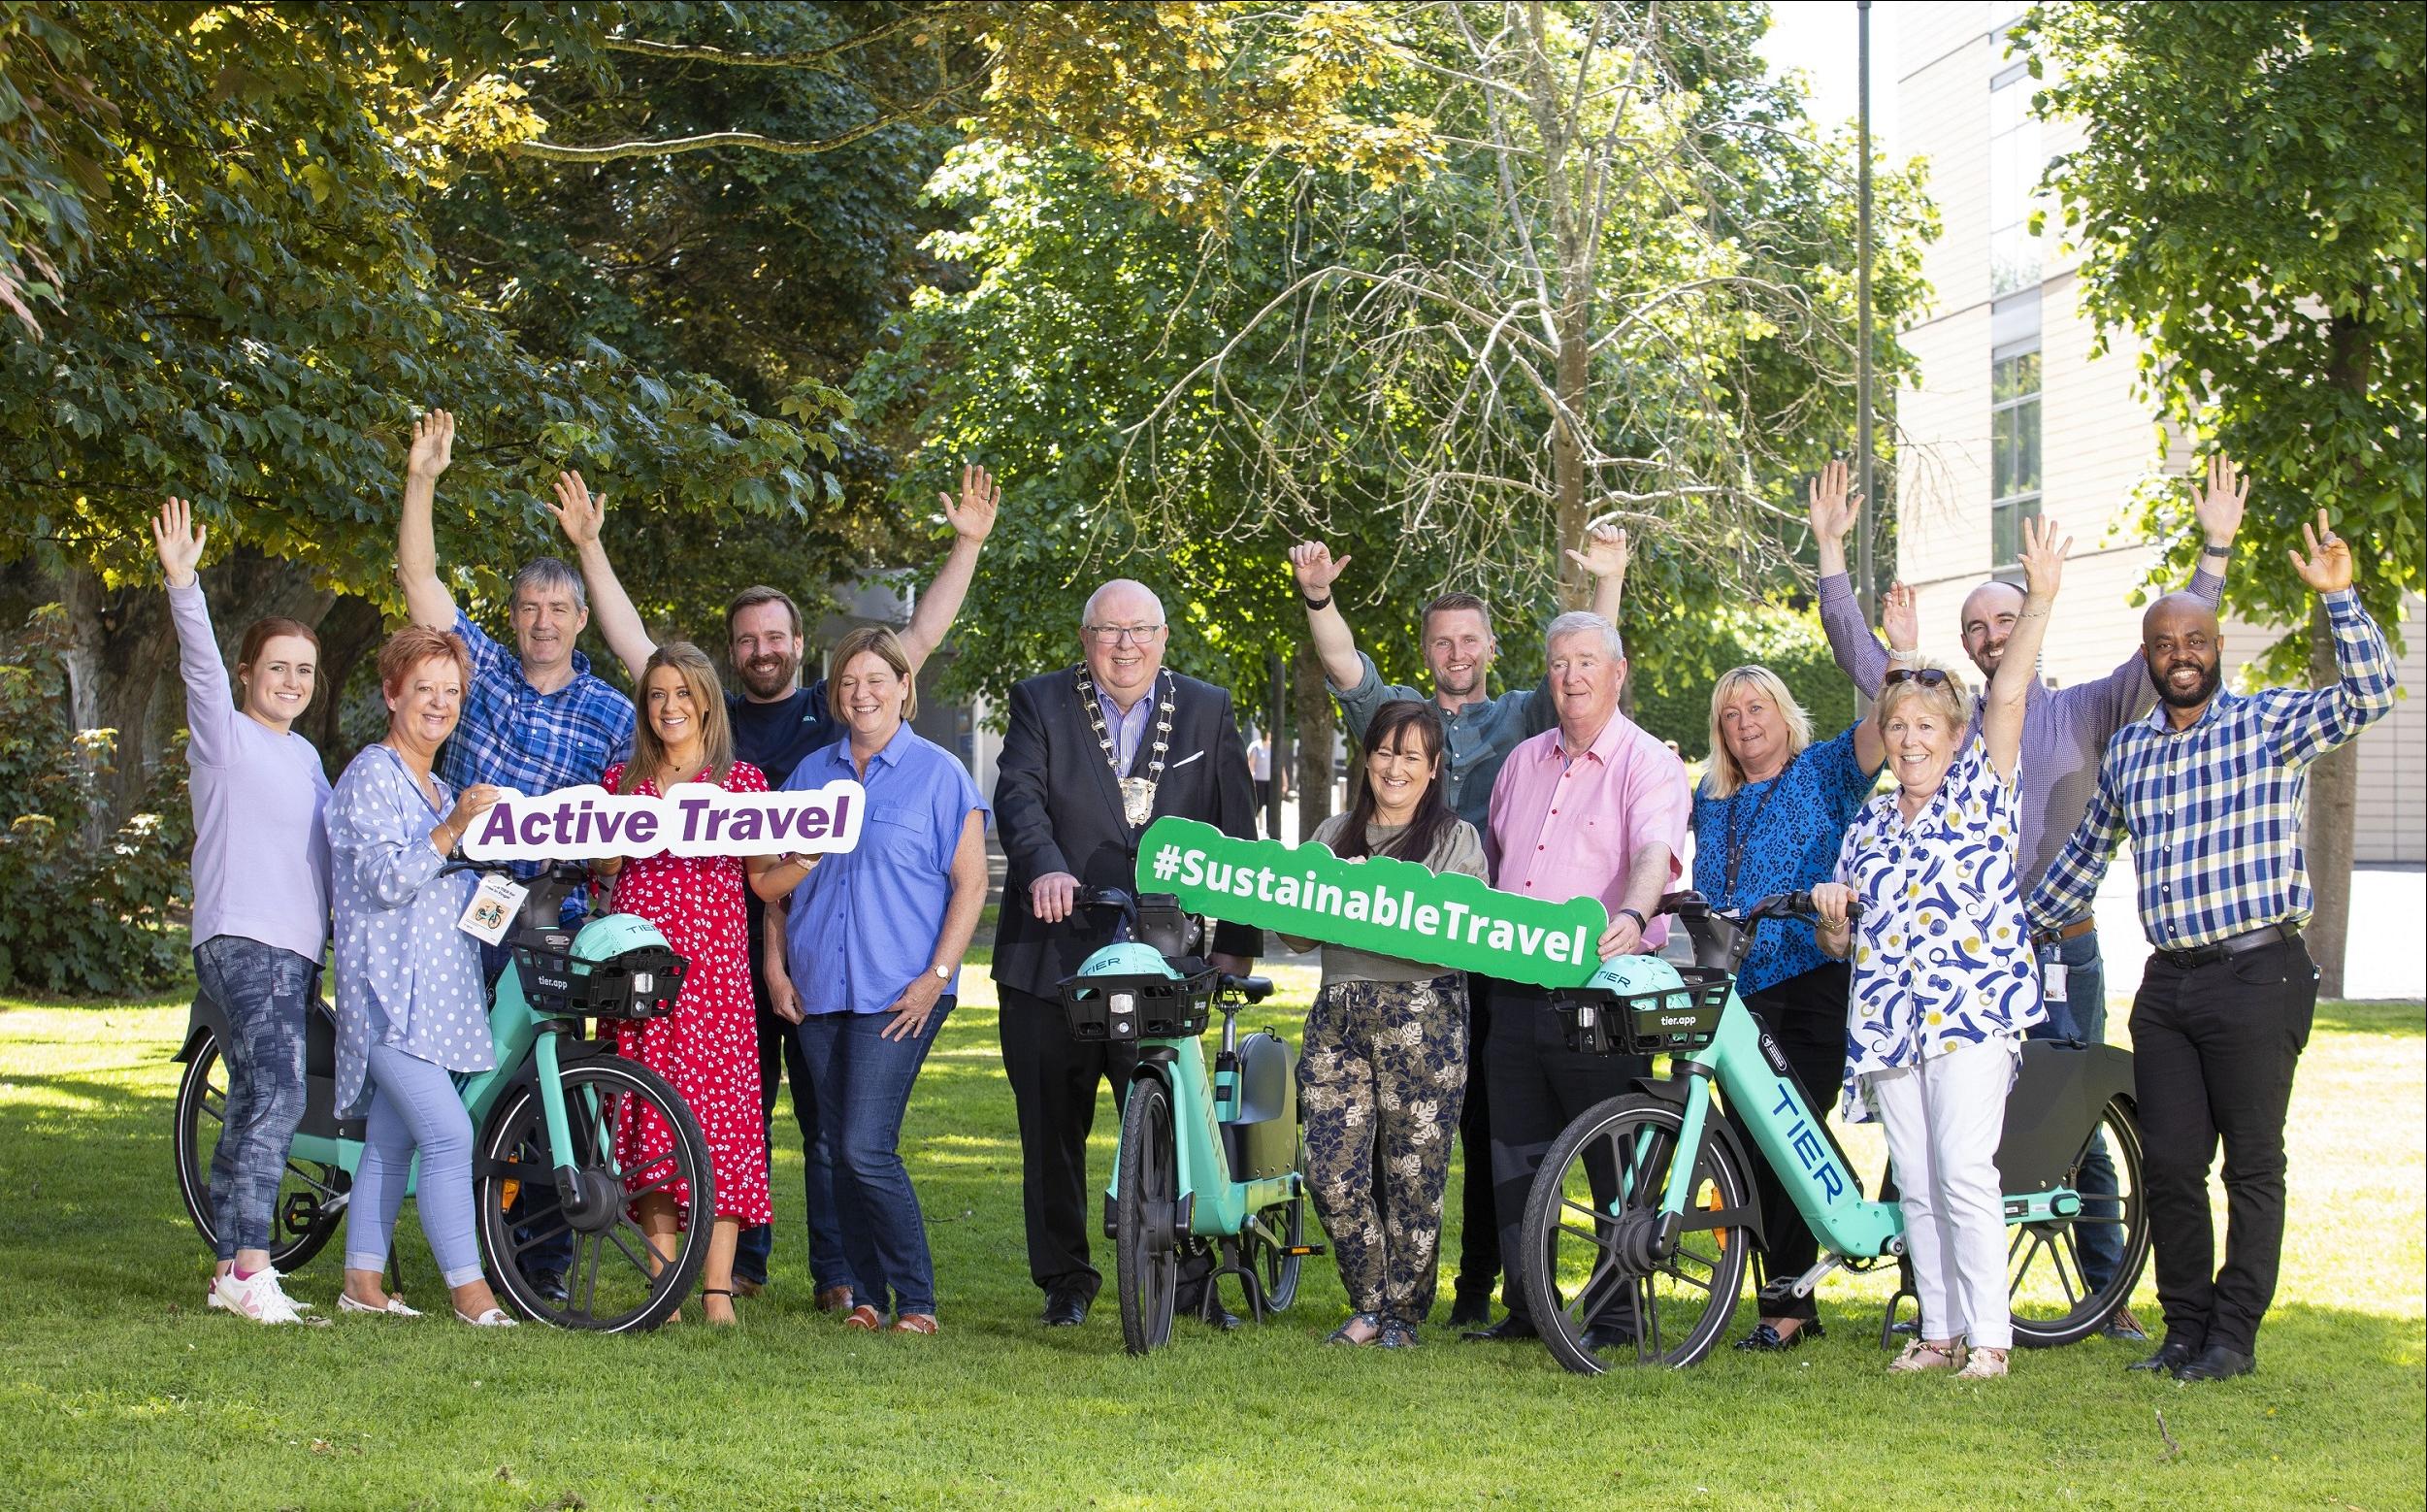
<point>1313,604</point>
<point>2215,551</point>
<point>943,973</point>
<point>1641,922</point>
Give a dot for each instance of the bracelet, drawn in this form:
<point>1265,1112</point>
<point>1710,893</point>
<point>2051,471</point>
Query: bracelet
<point>1312,605</point>
<point>1641,922</point>
<point>2223,550</point>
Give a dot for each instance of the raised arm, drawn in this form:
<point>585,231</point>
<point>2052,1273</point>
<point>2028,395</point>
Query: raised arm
<point>2365,691</point>
<point>1312,563</point>
<point>2010,691</point>
<point>1833,509</point>
<point>210,702</point>
<point>2127,694</point>
<point>1604,559</point>
<point>582,516</point>
<point>427,602</point>
<point>972,518</point>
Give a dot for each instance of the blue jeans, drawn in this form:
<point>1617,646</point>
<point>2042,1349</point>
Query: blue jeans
<point>266,993</point>
<point>779,1062</point>
<point>415,1109</point>
<point>2082,1015</point>
<point>862,1084</point>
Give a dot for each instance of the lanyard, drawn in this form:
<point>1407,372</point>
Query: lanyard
<point>1736,845</point>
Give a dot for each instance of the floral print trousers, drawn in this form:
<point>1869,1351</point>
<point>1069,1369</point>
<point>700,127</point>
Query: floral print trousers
<point>1379,1088</point>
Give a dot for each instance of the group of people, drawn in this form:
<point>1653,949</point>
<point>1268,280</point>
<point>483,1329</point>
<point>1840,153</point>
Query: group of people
<point>1953,915</point>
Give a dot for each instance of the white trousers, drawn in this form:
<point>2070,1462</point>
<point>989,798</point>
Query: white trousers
<point>1943,1119</point>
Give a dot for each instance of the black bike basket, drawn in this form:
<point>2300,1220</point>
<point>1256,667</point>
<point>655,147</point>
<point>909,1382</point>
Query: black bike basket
<point>1138,1007</point>
<point>1673,1022</point>
<point>636,985</point>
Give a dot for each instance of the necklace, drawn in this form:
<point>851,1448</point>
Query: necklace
<point>1138,793</point>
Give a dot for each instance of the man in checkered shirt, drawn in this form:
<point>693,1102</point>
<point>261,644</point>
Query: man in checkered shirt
<point>2212,786</point>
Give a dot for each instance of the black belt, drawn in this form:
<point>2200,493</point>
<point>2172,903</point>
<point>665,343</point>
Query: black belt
<point>2231,945</point>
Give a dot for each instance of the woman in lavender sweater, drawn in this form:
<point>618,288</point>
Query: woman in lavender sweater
<point>261,902</point>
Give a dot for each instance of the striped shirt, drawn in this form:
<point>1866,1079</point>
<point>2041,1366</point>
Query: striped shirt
<point>2214,811</point>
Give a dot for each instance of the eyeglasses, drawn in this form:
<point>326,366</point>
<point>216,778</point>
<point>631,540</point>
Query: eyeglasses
<point>1114,634</point>
<point>1927,676</point>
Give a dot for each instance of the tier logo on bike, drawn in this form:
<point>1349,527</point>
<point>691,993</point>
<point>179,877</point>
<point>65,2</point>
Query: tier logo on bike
<point>1375,904</point>
<point>693,819</point>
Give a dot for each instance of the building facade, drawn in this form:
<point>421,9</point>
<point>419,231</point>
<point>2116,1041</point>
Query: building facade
<point>2011,417</point>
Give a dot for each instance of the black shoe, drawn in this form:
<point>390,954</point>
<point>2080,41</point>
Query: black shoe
<point>550,1285</point>
<point>2172,1356</point>
<point>1470,1310</point>
<point>1223,1318</point>
<point>1764,1340</point>
<point>1508,1331</point>
<point>2217,1363</point>
<point>1609,1335</point>
<point>1065,1309</point>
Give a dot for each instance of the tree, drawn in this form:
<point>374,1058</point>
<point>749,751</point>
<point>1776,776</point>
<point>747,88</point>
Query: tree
<point>2247,203</point>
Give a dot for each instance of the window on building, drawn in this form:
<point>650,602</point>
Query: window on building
<point>2014,454</point>
<point>2015,162</point>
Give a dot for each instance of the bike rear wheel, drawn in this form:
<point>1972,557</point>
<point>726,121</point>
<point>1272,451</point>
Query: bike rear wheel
<point>307,1211</point>
<point>1587,1243</point>
<point>1275,1268</point>
<point>615,1282</point>
<point>2053,1297</point>
<point>1146,1237</point>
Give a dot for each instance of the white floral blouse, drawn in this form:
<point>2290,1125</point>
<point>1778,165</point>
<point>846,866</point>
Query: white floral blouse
<point>1942,957</point>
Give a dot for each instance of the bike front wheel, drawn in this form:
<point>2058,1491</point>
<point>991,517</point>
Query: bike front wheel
<point>308,1207</point>
<point>1587,1251</point>
<point>2066,1277</point>
<point>615,1280</point>
<point>1146,1237</point>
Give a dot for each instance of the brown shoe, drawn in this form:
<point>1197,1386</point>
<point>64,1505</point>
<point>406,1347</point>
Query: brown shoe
<point>744,1287</point>
<point>914,1323</point>
<point>866,1319</point>
<point>835,1298</point>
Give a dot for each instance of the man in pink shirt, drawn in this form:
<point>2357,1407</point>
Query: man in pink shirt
<point>1596,807</point>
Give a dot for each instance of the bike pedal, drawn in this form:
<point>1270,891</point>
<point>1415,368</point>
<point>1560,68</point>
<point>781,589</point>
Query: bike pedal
<point>1289,1250</point>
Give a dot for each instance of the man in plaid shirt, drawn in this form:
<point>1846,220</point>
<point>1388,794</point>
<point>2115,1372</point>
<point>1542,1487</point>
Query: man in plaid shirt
<point>2212,786</point>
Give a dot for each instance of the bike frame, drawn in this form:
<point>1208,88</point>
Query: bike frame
<point>1217,1206</point>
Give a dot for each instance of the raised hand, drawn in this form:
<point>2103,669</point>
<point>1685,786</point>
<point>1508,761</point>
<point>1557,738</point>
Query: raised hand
<point>1900,616</point>
<point>974,515</point>
<point>2327,569</point>
<point>1833,507</point>
<point>433,445</point>
<point>2044,557</point>
<point>1605,553</point>
<point>2218,506</point>
<point>179,541</point>
<point>1316,571</point>
<point>579,514</point>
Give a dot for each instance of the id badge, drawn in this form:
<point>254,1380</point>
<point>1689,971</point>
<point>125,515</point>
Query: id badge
<point>2052,982</point>
<point>493,908</point>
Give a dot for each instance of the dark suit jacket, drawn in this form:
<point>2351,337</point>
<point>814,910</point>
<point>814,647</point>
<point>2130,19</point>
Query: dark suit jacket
<point>1057,810</point>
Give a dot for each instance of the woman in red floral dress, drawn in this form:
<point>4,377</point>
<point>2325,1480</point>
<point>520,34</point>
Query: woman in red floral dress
<point>707,1047</point>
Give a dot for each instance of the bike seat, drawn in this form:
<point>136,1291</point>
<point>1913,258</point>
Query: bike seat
<point>1255,989</point>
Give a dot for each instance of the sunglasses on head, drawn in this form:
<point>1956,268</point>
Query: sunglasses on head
<point>1927,676</point>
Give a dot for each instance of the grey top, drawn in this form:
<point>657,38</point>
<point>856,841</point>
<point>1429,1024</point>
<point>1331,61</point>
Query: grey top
<point>261,858</point>
<point>1481,735</point>
<point>1459,849</point>
<point>2065,731</point>
<point>405,975</point>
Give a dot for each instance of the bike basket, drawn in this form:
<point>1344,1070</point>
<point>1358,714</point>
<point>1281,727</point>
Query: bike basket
<point>632,985</point>
<point>1670,1022</point>
<point>1138,1007</point>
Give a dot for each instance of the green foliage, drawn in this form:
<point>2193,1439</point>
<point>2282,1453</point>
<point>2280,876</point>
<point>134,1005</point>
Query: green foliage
<point>82,917</point>
<point>1673,690</point>
<point>47,152</point>
<point>2250,204</point>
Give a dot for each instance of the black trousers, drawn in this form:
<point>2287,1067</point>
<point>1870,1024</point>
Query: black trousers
<point>1538,1087</point>
<point>2213,1050</point>
<point>1479,1215</point>
<point>1806,1018</point>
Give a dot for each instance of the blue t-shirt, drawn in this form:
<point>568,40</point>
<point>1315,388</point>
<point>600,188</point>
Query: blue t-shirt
<point>1785,832</point>
<point>864,925</point>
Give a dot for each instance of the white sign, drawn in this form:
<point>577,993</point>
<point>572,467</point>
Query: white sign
<point>693,819</point>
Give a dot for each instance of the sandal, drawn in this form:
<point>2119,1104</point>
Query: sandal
<point>494,1318</point>
<point>914,1323</point>
<point>1765,1339</point>
<point>866,1319</point>
<point>395,1307</point>
<point>1398,1334</point>
<point>1371,1320</point>
<point>723,1292</point>
<point>1928,1355</point>
<point>1985,1364</point>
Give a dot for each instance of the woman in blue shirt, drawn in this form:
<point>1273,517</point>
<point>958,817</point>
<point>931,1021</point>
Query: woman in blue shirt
<point>1768,818</point>
<point>873,940</point>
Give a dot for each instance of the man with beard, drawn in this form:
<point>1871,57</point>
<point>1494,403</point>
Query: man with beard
<point>2063,732</point>
<point>1092,755</point>
<point>1458,648</point>
<point>2211,788</point>
<point>776,722</point>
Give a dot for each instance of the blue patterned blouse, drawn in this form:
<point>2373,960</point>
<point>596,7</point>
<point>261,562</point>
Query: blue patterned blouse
<point>1942,958</point>
<point>1784,833</point>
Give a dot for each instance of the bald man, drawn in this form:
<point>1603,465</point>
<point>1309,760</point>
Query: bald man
<point>2212,787</point>
<point>2064,732</point>
<point>1094,754</point>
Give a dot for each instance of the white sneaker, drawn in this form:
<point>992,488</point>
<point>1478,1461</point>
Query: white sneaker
<point>256,1298</point>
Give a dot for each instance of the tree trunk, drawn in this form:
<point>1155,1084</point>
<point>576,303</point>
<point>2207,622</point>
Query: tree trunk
<point>2328,832</point>
<point>349,632</point>
<point>1316,721</point>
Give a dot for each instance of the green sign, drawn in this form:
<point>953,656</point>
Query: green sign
<point>1378,904</point>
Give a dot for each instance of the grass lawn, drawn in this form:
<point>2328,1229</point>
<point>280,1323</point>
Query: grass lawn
<point>120,1391</point>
